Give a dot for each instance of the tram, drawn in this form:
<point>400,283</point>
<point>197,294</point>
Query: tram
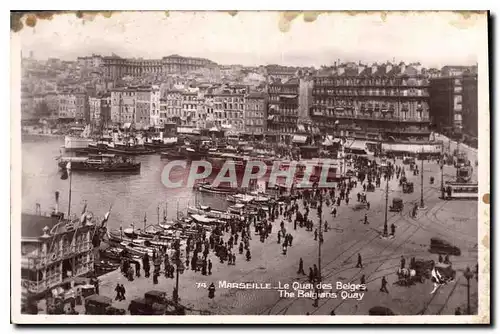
<point>455,190</point>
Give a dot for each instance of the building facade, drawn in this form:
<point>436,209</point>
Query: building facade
<point>179,64</point>
<point>67,105</point>
<point>378,102</point>
<point>189,108</point>
<point>174,100</point>
<point>255,113</point>
<point>117,67</point>
<point>123,105</point>
<point>53,252</point>
<point>283,107</point>
<point>453,103</point>
<point>100,109</point>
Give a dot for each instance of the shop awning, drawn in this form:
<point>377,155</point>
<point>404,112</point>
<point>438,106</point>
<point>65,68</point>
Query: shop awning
<point>298,139</point>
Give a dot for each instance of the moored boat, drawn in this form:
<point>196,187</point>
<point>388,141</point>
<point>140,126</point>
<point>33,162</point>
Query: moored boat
<point>100,163</point>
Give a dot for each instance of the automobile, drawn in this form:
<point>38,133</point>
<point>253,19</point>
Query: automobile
<point>440,246</point>
<point>397,205</point>
<point>97,305</point>
<point>380,310</point>
<point>140,306</point>
<point>408,187</point>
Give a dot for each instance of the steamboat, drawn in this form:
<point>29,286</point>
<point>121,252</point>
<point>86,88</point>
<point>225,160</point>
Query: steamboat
<point>100,163</point>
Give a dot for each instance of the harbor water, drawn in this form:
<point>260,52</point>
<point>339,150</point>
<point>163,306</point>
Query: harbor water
<point>130,196</point>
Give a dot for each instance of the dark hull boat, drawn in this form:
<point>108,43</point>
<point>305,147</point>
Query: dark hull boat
<point>100,163</point>
<point>130,150</point>
<point>158,147</point>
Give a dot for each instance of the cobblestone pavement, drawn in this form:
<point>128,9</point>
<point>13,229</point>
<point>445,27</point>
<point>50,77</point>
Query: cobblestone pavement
<point>454,221</point>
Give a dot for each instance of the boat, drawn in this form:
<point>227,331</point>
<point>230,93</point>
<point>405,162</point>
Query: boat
<point>240,198</point>
<point>216,190</point>
<point>204,220</point>
<point>158,145</point>
<point>184,153</point>
<point>211,213</point>
<point>127,149</point>
<point>100,163</point>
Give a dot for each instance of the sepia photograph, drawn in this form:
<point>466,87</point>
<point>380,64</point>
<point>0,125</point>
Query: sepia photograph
<point>245,166</point>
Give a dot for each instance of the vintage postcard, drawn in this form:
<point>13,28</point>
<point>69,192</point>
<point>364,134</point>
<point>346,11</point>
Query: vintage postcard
<point>245,167</point>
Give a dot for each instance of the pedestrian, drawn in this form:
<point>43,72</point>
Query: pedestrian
<point>279,237</point>
<point>211,291</point>
<point>137,269</point>
<point>360,263</point>
<point>393,229</point>
<point>118,290</point>
<point>301,267</point>
<point>362,281</point>
<point>403,262</point>
<point>366,219</point>
<point>316,234</point>
<point>447,259</point>
<point>383,287</point>
<point>440,258</point>
<point>368,205</point>
<point>209,267</point>
<point>123,292</point>
<point>311,275</point>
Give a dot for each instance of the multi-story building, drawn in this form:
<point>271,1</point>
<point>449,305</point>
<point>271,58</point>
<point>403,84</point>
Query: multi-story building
<point>100,109</point>
<point>453,102</point>
<point>136,104</point>
<point>82,107</point>
<point>123,105</point>
<point>189,108</point>
<point>179,64</point>
<point>378,102</point>
<point>283,107</point>
<point>226,110</point>
<point>54,251</point>
<point>147,106</point>
<point>67,105</point>
<point>278,72</point>
<point>117,67</point>
<point>174,100</point>
<point>255,113</point>
<point>305,98</point>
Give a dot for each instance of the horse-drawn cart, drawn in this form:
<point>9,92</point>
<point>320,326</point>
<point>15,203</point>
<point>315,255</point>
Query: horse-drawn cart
<point>420,271</point>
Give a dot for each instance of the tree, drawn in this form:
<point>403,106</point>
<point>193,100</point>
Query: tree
<point>42,110</point>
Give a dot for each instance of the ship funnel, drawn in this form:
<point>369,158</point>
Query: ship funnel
<point>57,201</point>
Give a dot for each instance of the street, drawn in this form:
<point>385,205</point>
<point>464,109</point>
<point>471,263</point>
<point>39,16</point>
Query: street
<point>454,221</point>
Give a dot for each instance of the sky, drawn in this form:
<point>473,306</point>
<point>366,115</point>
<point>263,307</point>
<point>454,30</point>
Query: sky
<point>255,38</point>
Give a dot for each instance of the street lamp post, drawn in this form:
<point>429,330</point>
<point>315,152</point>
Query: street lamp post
<point>385,234</point>
<point>177,264</point>
<point>468,275</point>
<point>422,180</point>
<point>442,177</point>
<point>320,239</point>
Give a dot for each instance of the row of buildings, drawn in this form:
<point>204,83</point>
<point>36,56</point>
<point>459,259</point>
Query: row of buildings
<point>386,101</point>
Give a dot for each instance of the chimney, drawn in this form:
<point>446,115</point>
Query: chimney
<point>57,201</point>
